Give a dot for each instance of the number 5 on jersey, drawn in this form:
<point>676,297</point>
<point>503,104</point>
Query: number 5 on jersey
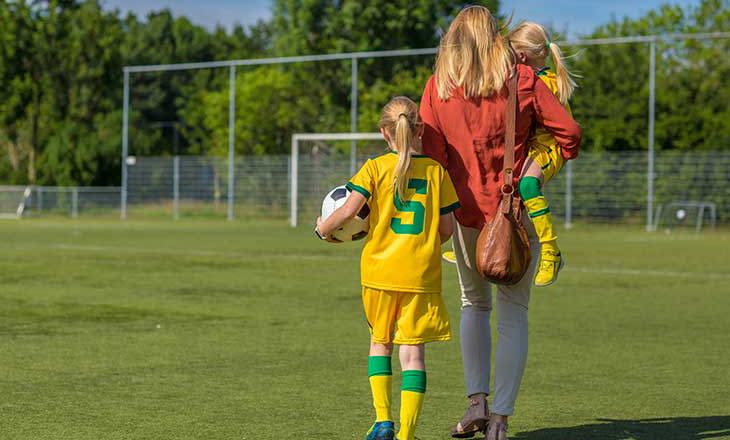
<point>417,208</point>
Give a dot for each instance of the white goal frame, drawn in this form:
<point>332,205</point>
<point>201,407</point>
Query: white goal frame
<point>294,174</point>
<point>24,195</point>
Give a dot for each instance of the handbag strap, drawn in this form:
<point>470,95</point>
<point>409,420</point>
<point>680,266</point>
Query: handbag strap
<point>509,135</point>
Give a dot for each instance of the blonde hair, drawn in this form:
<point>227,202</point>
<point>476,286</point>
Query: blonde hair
<point>401,121</point>
<point>472,55</point>
<point>532,39</point>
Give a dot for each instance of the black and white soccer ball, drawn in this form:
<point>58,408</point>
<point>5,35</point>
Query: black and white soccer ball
<point>355,229</point>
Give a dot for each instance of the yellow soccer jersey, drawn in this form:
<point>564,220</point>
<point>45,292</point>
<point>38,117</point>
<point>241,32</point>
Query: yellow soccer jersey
<point>402,251</point>
<point>542,136</point>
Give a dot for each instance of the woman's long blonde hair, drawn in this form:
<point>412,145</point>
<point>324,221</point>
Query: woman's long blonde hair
<point>400,120</point>
<point>472,55</point>
<point>532,39</point>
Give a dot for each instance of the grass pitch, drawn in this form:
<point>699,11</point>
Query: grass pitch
<point>213,330</point>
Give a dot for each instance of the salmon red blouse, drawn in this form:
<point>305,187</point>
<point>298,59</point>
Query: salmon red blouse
<point>467,138</point>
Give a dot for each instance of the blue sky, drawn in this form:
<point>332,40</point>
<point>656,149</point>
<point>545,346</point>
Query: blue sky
<point>574,16</point>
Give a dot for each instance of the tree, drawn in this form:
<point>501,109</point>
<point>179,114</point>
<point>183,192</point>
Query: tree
<point>691,83</point>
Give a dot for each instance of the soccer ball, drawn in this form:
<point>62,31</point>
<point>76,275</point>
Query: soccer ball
<point>355,229</point>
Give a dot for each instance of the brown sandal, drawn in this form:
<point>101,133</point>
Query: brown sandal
<point>475,420</point>
<point>497,431</point>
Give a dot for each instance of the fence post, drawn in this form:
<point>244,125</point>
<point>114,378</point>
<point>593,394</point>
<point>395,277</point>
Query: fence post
<point>294,181</point>
<point>569,194</point>
<point>176,187</point>
<point>75,202</point>
<point>40,200</point>
<point>125,144</point>
<point>353,116</point>
<point>231,137</point>
<point>652,115</point>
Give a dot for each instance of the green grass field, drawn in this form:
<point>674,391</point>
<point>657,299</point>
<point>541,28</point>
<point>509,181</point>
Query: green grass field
<point>214,330</point>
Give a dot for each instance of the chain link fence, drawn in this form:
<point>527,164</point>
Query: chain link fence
<point>599,187</point>
<point>41,201</point>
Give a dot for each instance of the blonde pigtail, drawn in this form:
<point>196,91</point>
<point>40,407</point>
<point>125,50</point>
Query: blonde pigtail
<point>404,144</point>
<point>401,122</point>
<point>566,84</point>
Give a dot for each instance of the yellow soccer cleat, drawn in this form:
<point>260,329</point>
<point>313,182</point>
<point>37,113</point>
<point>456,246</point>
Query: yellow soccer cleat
<point>449,257</point>
<point>551,263</point>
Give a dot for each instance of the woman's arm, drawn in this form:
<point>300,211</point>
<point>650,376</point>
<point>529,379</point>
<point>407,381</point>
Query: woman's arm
<point>434,142</point>
<point>557,120</point>
<point>348,211</point>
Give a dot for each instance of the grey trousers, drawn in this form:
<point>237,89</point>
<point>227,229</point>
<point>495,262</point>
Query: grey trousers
<point>476,338</point>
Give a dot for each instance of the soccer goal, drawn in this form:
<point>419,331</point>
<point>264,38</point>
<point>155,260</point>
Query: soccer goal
<point>13,200</point>
<point>685,214</point>
<point>321,161</point>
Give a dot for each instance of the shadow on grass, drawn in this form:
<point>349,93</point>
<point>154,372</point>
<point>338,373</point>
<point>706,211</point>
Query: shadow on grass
<point>669,428</point>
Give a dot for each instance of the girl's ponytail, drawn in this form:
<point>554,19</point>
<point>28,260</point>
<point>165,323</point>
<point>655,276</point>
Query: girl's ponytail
<point>566,84</point>
<point>403,143</point>
<point>400,120</point>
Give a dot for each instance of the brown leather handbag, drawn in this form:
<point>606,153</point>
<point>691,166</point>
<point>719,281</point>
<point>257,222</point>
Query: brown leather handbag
<point>503,248</point>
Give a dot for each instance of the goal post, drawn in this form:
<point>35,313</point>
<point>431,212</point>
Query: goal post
<point>13,200</point>
<point>320,161</point>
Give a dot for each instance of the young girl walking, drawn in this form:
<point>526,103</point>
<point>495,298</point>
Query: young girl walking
<point>533,46</point>
<point>411,199</point>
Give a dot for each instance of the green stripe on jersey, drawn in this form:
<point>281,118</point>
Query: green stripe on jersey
<point>352,187</point>
<point>451,208</point>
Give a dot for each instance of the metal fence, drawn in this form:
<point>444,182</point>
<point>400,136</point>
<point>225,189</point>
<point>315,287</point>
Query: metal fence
<point>185,186</point>
<point>605,187</point>
<point>598,187</point>
<point>38,201</point>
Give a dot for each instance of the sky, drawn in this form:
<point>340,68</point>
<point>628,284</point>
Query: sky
<point>573,16</point>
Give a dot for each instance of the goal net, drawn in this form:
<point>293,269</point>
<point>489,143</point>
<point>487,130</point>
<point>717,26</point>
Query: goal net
<point>322,161</point>
<point>13,200</point>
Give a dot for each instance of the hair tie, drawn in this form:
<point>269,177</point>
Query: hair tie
<point>403,115</point>
<point>548,43</point>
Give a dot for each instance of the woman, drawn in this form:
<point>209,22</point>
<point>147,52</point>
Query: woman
<point>463,109</point>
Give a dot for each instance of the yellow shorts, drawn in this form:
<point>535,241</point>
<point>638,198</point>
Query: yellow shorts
<point>405,317</point>
<point>549,159</point>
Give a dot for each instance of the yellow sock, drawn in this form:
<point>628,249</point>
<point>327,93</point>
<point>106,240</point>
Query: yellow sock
<point>412,393</point>
<point>381,386</point>
<point>381,382</point>
<point>539,211</point>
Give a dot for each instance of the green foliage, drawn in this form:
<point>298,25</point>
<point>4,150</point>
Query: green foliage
<point>61,67</point>
<point>61,74</point>
<point>270,105</point>
<point>692,89</point>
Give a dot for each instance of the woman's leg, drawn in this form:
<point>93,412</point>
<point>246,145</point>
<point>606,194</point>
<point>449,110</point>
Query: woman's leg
<point>476,338</point>
<point>476,305</point>
<point>413,388</point>
<point>511,352</point>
